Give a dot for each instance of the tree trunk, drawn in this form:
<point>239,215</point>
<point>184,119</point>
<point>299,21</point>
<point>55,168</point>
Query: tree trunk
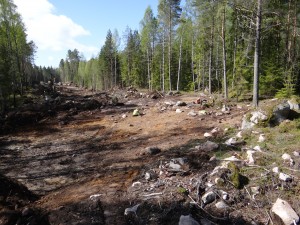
<point>211,56</point>
<point>192,64</point>
<point>163,64</point>
<point>224,54</point>
<point>148,69</point>
<point>170,47</point>
<point>257,56</point>
<point>179,63</point>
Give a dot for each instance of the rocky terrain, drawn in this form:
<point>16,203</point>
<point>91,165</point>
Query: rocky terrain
<point>71,156</point>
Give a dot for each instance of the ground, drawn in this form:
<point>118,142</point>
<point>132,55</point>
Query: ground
<point>79,159</point>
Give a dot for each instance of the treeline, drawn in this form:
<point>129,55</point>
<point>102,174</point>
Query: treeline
<point>17,69</point>
<point>215,45</point>
<point>232,47</point>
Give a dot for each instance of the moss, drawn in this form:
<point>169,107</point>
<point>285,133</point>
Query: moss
<point>238,180</point>
<point>183,191</point>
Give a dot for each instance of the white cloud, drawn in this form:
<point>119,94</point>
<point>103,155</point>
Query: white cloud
<point>49,31</point>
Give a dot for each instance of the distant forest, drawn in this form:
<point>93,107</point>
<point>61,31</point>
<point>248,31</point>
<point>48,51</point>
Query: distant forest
<point>234,47</point>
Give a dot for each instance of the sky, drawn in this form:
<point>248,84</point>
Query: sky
<point>56,26</point>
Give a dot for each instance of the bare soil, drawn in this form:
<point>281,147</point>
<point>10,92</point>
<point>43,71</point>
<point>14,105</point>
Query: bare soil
<point>65,155</point>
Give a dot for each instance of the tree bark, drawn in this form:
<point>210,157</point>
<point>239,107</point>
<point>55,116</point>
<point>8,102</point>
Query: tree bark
<point>179,63</point>
<point>257,56</point>
<point>224,54</point>
<point>211,56</point>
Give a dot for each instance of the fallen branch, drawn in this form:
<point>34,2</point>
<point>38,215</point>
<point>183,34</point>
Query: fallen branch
<point>152,194</point>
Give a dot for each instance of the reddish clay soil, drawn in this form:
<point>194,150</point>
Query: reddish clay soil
<point>64,158</point>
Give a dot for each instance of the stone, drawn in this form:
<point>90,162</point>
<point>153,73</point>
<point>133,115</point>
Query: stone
<point>295,153</point>
<point>246,124</point>
<point>233,141</point>
<point>192,113</point>
<point>219,114</point>
<point>180,103</point>
<point>286,157</point>
<point>255,191</point>
<point>179,111</point>
<point>285,177</point>
<point>223,194</point>
<point>280,113</point>
<point>285,212</point>
<point>202,113</point>
<point>258,116</point>
<point>209,197</point>
<point>239,134</point>
<point>187,220</point>
<point>207,146</point>
<point>95,197</point>
<point>293,104</point>
<point>250,159</point>
<point>132,209</point>
<point>257,148</point>
<point>152,150</point>
<point>150,175</point>
<point>221,205</point>
<point>275,169</point>
<point>27,212</point>
<point>219,181</point>
<point>136,112</point>
<point>261,138</point>
<point>207,134</point>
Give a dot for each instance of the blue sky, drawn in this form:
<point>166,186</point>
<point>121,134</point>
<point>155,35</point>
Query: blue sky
<point>59,25</point>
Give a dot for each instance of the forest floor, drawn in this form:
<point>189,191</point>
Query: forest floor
<point>74,160</point>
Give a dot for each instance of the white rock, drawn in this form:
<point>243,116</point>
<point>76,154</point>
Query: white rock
<point>283,210</point>
<point>207,134</point>
<point>215,130</point>
<point>285,177</point>
<point>258,116</point>
<point>275,169</point>
<point>209,197</point>
<point>202,113</point>
<point>261,138</point>
<point>231,141</point>
<point>170,103</point>
<point>178,111</point>
<point>187,220</point>
<point>225,108</point>
<point>255,191</point>
<point>124,116</point>
<point>192,113</point>
<point>219,114</point>
<point>250,158</point>
<point>257,148</point>
<point>174,166</point>
<point>180,103</point>
<point>131,210</point>
<point>224,195</point>
<point>147,176</point>
<point>239,134</point>
<point>232,159</point>
<point>219,180</point>
<point>295,153</point>
<point>286,157</point>
<point>95,197</point>
<point>221,205</point>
